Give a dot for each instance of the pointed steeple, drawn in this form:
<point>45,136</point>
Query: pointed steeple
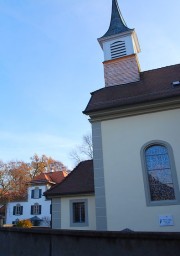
<point>120,46</point>
<point>117,23</point>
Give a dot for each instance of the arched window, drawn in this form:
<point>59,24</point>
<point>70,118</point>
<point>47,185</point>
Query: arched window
<point>160,178</point>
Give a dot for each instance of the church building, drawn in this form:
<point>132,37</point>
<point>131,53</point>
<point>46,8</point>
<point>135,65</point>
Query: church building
<point>136,138</point>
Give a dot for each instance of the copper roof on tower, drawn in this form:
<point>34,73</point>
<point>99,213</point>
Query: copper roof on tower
<point>117,24</point>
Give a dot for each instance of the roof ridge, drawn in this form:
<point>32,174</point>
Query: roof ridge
<point>48,178</point>
<point>69,175</point>
<point>64,178</point>
<point>51,172</point>
<point>142,72</point>
<point>154,69</point>
<point>153,85</point>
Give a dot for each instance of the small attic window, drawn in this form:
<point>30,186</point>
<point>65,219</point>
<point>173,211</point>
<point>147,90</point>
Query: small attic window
<point>176,83</point>
<point>118,49</point>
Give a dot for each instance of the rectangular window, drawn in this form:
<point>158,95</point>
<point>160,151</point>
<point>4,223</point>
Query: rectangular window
<point>18,210</point>
<point>36,193</point>
<point>35,209</point>
<point>78,213</point>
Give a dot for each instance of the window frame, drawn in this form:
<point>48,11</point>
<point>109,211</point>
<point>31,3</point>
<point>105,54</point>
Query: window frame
<point>36,209</point>
<point>78,224</point>
<point>149,202</point>
<point>18,210</point>
<point>36,193</point>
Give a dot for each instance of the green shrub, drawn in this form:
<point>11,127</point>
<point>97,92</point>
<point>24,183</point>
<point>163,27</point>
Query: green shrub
<point>24,224</point>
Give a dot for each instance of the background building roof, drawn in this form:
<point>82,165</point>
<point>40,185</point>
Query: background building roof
<point>50,177</point>
<point>79,181</point>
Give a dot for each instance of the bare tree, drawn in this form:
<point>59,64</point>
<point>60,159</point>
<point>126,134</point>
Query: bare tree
<point>83,151</point>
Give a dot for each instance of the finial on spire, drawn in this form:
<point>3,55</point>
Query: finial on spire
<point>117,24</point>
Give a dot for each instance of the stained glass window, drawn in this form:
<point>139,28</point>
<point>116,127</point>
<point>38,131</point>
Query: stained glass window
<point>159,173</point>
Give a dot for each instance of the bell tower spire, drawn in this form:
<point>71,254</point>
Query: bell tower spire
<point>117,23</point>
<point>120,46</point>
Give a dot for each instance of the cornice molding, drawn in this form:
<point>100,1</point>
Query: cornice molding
<point>133,110</point>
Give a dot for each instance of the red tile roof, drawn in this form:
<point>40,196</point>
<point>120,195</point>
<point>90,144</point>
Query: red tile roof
<point>153,85</point>
<point>79,181</point>
<point>50,177</point>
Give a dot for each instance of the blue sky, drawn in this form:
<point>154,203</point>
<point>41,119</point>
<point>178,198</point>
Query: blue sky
<point>50,61</point>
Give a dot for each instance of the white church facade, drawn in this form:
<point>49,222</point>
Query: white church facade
<point>135,128</point>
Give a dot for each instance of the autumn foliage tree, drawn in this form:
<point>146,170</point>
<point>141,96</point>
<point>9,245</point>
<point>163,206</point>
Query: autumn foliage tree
<point>19,176</point>
<point>44,164</point>
<point>15,175</point>
<point>13,180</point>
<point>4,182</point>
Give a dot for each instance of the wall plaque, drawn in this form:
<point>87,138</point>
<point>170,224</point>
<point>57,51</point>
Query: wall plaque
<point>166,220</point>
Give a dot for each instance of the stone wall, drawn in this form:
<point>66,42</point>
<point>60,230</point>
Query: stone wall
<point>46,242</point>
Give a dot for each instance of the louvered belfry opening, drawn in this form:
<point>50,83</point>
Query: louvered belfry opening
<point>118,49</point>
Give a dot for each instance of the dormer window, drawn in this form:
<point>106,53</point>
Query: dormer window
<point>118,49</point>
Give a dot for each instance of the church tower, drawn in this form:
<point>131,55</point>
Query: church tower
<point>120,46</point>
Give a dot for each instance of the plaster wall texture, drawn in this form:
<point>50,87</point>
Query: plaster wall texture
<point>65,213</point>
<point>122,140</point>
<point>45,207</point>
